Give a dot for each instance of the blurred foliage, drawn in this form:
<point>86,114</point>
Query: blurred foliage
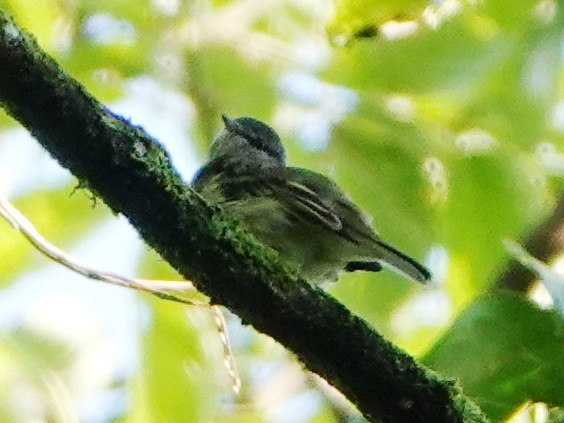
<point>525,362</point>
<point>61,216</point>
<point>446,125</point>
<point>175,351</point>
<point>180,346</point>
<point>357,17</point>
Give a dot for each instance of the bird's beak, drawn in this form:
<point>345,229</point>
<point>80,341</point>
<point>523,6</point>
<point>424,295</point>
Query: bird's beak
<point>229,123</point>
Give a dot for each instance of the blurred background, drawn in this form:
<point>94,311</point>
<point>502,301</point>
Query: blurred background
<point>444,120</point>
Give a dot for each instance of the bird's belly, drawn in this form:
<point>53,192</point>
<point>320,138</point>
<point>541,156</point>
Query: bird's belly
<point>315,252</point>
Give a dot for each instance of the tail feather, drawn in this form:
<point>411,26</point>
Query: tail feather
<point>395,260</point>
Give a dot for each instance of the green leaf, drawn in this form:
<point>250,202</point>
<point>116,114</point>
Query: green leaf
<point>556,415</point>
<point>504,351</point>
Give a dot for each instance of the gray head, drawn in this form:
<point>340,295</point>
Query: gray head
<point>250,138</point>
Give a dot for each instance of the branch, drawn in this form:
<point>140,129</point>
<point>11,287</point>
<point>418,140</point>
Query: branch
<point>544,243</point>
<point>132,173</point>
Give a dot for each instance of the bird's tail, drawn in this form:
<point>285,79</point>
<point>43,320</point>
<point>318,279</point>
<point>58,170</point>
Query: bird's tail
<point>395,260</point>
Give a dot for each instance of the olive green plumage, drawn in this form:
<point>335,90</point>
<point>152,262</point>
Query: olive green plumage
<point>302,214</point>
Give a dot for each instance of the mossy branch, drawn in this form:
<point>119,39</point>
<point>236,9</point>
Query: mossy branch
<point>131,172</point>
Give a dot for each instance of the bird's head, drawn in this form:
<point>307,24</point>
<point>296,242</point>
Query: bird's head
<point>248,138</point>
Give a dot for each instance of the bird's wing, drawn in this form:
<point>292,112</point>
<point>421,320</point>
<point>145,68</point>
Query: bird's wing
<point>354,225</point>
<point>356,229</point>
<point>304,194</point>
<point>297,198</point>
<point>306,203</point>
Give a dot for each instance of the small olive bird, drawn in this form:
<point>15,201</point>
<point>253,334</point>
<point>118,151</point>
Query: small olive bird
<point>301,214</point>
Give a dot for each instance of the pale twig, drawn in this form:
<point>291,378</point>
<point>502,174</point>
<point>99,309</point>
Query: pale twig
<point>228,357</point>
<point>157,288</point>
<point>21,224</point>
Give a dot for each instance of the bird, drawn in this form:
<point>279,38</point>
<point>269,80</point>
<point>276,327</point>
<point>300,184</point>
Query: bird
<point>301,214</point>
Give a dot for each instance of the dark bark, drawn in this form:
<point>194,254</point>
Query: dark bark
<point>544,243</point>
